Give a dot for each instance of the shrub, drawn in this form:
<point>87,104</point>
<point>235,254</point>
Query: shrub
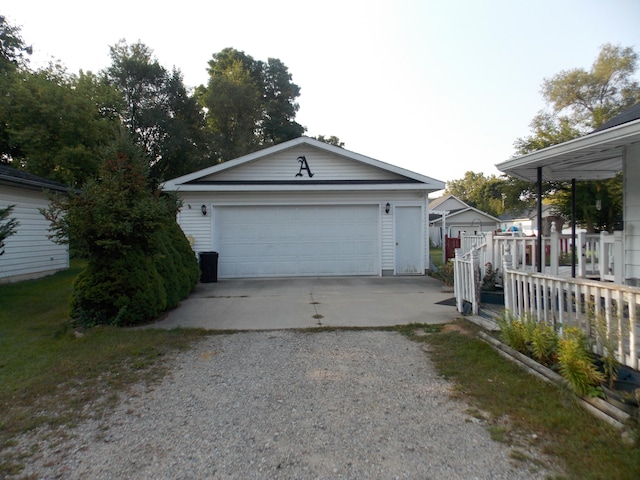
<point>124,290</point>
<point>176,263</point>
<point>530,337</point>
<point>576,363</point>
<point>445,273</point>
<point>139,260</point>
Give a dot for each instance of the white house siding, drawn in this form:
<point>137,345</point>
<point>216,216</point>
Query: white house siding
<point>632,214</point>
<point>195,225</point>
<point>284,165</point>
<point>29,253</point>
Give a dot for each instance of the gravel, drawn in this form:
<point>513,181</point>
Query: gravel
<point>284,405</point>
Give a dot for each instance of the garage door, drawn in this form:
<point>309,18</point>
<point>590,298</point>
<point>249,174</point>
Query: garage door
<point>277,241</point>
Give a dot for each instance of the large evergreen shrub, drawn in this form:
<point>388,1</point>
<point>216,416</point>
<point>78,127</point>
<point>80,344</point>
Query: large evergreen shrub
<point>140,262</point>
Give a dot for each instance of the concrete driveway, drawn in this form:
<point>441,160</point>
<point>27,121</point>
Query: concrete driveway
<point>274,303</point>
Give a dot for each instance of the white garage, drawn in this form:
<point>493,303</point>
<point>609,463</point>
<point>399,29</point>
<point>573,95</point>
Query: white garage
<point>306,208</point>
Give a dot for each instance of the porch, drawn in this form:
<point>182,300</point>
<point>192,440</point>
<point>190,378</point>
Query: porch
<point>587,294</point>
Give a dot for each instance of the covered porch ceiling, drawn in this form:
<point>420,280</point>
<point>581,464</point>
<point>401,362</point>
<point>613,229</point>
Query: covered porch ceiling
<point>596,156</point>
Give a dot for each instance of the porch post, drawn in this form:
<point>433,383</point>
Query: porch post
<point>539,242</point>
<point>573,228</point>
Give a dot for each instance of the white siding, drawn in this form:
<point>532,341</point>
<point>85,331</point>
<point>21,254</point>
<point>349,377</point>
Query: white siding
<point>200,227</point>
<point>632,213</point>
<point>388,243</point>
<point>29,253</point>
<point>284,166</point>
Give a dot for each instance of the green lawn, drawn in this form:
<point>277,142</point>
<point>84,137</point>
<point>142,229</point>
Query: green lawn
<point>49,372</point>
<point>526,412</point>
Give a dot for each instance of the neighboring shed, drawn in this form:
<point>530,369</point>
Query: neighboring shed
<point>307,208</point>
<point>29,253</point>
<point>452,217</point>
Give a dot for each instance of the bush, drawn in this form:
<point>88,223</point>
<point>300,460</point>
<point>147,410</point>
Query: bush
<point>576,364</point>
<point>125,290</point>
<point>176,263</point>
<point>568,353</point>
<point>445,273</point>
<point>140,262</point>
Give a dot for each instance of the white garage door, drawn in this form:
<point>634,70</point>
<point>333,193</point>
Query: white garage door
<point>277,241</point>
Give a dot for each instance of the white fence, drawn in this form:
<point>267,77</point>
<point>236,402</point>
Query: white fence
<point>598,256</point>
<point>606,312</point>
<point>467,280</point>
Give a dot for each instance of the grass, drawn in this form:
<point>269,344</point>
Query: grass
<point>436,256</point>
<point>541,415</point>
<point>52,376</point>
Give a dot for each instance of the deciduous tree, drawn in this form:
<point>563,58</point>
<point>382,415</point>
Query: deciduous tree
<point>164,119</point>
<point>249,103</point>
<point>578,102</point>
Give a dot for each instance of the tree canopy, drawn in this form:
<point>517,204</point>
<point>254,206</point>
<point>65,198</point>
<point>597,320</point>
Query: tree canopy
<point>56,124</point>
<point>579,101</point>
<point>250,104</point>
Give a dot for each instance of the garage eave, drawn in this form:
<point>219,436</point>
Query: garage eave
<point>419,187</point>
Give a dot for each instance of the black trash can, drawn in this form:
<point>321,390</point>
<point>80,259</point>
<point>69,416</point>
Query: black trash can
<point>208,267</point>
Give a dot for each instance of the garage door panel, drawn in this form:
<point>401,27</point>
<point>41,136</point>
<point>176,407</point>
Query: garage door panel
<point>305,240</point>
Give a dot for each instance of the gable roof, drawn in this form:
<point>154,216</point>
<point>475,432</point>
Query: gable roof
<point>224,176</point>
<point>18,178</point>
<point>596,156</point>
<point>434,204</point>
<point>435,218</point>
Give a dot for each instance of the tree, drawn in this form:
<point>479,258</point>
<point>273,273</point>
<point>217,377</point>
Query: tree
<point>478,191</point>
<point>158,111</point>
<point>250,104</point>
<point>139,260</point>
<point>13,51</point>
<point>7,227</point>
<point>56,123</point>
<point>332,140</point>
<point>580,101</point>
<point>13,57</point>
<point>278,116</point>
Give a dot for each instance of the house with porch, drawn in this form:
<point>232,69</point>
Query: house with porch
<point>602,278</point>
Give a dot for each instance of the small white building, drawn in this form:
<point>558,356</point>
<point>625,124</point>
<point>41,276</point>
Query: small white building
<point>452,217</point>
<point>29,253</point>
<point>307,208</point>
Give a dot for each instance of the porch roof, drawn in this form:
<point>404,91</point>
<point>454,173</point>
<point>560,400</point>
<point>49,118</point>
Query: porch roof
<point>595,156</point>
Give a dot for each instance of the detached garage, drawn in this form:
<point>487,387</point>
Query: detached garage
<point>307,208</point>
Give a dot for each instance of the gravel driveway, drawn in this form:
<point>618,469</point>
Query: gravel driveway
<point>286,404</point>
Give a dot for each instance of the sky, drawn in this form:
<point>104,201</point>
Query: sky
<point>437,87</point>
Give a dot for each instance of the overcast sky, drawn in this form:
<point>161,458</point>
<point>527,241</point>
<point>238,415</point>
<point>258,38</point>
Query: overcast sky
<point>437,87</point>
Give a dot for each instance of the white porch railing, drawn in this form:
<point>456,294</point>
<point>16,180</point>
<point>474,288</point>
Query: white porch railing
<point>466,283</point>
<point>598,256</point>
<point>606,312</point>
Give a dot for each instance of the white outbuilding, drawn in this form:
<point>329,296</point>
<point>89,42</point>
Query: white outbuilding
<point>307,208</point>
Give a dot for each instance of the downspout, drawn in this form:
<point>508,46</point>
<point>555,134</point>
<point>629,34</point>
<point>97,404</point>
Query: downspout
<point>573,228</point>
<point>539,249</point>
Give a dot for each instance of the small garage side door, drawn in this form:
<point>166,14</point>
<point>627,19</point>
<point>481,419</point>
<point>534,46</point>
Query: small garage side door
<point>278,241</point>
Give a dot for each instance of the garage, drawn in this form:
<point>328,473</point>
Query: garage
<point>310,240</point>
<point>307,208</point>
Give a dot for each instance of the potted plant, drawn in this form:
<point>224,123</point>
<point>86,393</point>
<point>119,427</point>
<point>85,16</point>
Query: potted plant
<point>490,291</point>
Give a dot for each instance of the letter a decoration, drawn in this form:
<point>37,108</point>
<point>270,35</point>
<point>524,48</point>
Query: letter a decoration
<point>303,166</point>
